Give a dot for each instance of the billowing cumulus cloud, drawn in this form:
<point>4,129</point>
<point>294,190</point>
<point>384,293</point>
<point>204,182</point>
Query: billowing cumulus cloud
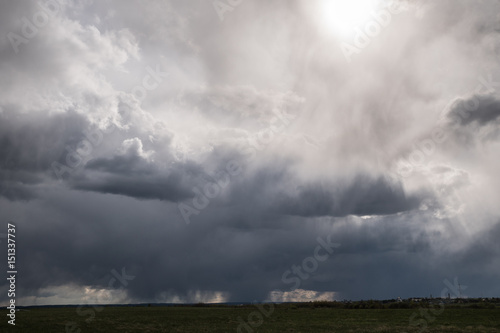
<point>207,156</point>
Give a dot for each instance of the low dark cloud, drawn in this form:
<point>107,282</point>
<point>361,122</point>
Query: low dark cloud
<point>29,144</point>
<point>364,195</point>
<point>134,177</point>
<point>479,109</point>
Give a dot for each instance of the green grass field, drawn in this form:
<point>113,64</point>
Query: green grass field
<point>285,318</point>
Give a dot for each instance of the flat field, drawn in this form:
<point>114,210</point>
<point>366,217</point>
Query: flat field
<point>284,318</point>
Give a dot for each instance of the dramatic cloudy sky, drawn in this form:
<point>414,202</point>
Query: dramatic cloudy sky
<point>186,151</point>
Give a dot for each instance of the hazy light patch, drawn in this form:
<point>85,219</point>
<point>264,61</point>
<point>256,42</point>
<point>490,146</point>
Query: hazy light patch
<point>71,294</point>
<point>193,296</point>
<point>342,17</point>
<point>301,295</point>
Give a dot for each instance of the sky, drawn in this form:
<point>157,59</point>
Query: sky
<point>238,151</point>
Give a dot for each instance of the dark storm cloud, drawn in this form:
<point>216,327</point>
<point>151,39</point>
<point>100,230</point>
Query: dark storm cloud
<point>30,142</point>
<point>28,146</point>
<point>36,148</point>
<point>247,263</point>
<point>362,196</point>
<point>484,250</point>
<point>480,109</point>
<point>137,178</point>
<point>212,255</point>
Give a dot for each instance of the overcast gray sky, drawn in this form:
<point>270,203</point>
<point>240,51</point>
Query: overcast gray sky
<point>201,148</point>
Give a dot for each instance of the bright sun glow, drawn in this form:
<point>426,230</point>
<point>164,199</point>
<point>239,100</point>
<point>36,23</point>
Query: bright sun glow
<point>342,16</point>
